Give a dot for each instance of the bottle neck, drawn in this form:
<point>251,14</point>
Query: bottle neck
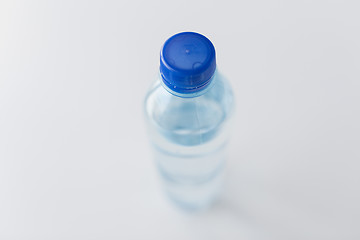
<point>210,84</point>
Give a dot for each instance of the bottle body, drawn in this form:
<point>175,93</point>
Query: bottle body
<point>189,135</point>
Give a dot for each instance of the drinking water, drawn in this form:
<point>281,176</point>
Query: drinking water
<point>187,112</point>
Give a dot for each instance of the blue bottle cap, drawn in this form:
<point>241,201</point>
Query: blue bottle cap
<point>187,62</point>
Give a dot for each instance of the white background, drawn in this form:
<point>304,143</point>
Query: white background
<point>75,162</point>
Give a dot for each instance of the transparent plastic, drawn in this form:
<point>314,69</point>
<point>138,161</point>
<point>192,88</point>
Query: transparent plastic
<point>189,133</point>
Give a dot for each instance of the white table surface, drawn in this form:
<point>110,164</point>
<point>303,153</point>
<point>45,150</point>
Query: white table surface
<point>75,162</point>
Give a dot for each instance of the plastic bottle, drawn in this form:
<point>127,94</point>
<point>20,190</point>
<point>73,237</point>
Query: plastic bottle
<point>187,112</point>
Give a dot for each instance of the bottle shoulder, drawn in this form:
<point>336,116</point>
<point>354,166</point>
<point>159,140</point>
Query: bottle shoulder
<point>189,121</point>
